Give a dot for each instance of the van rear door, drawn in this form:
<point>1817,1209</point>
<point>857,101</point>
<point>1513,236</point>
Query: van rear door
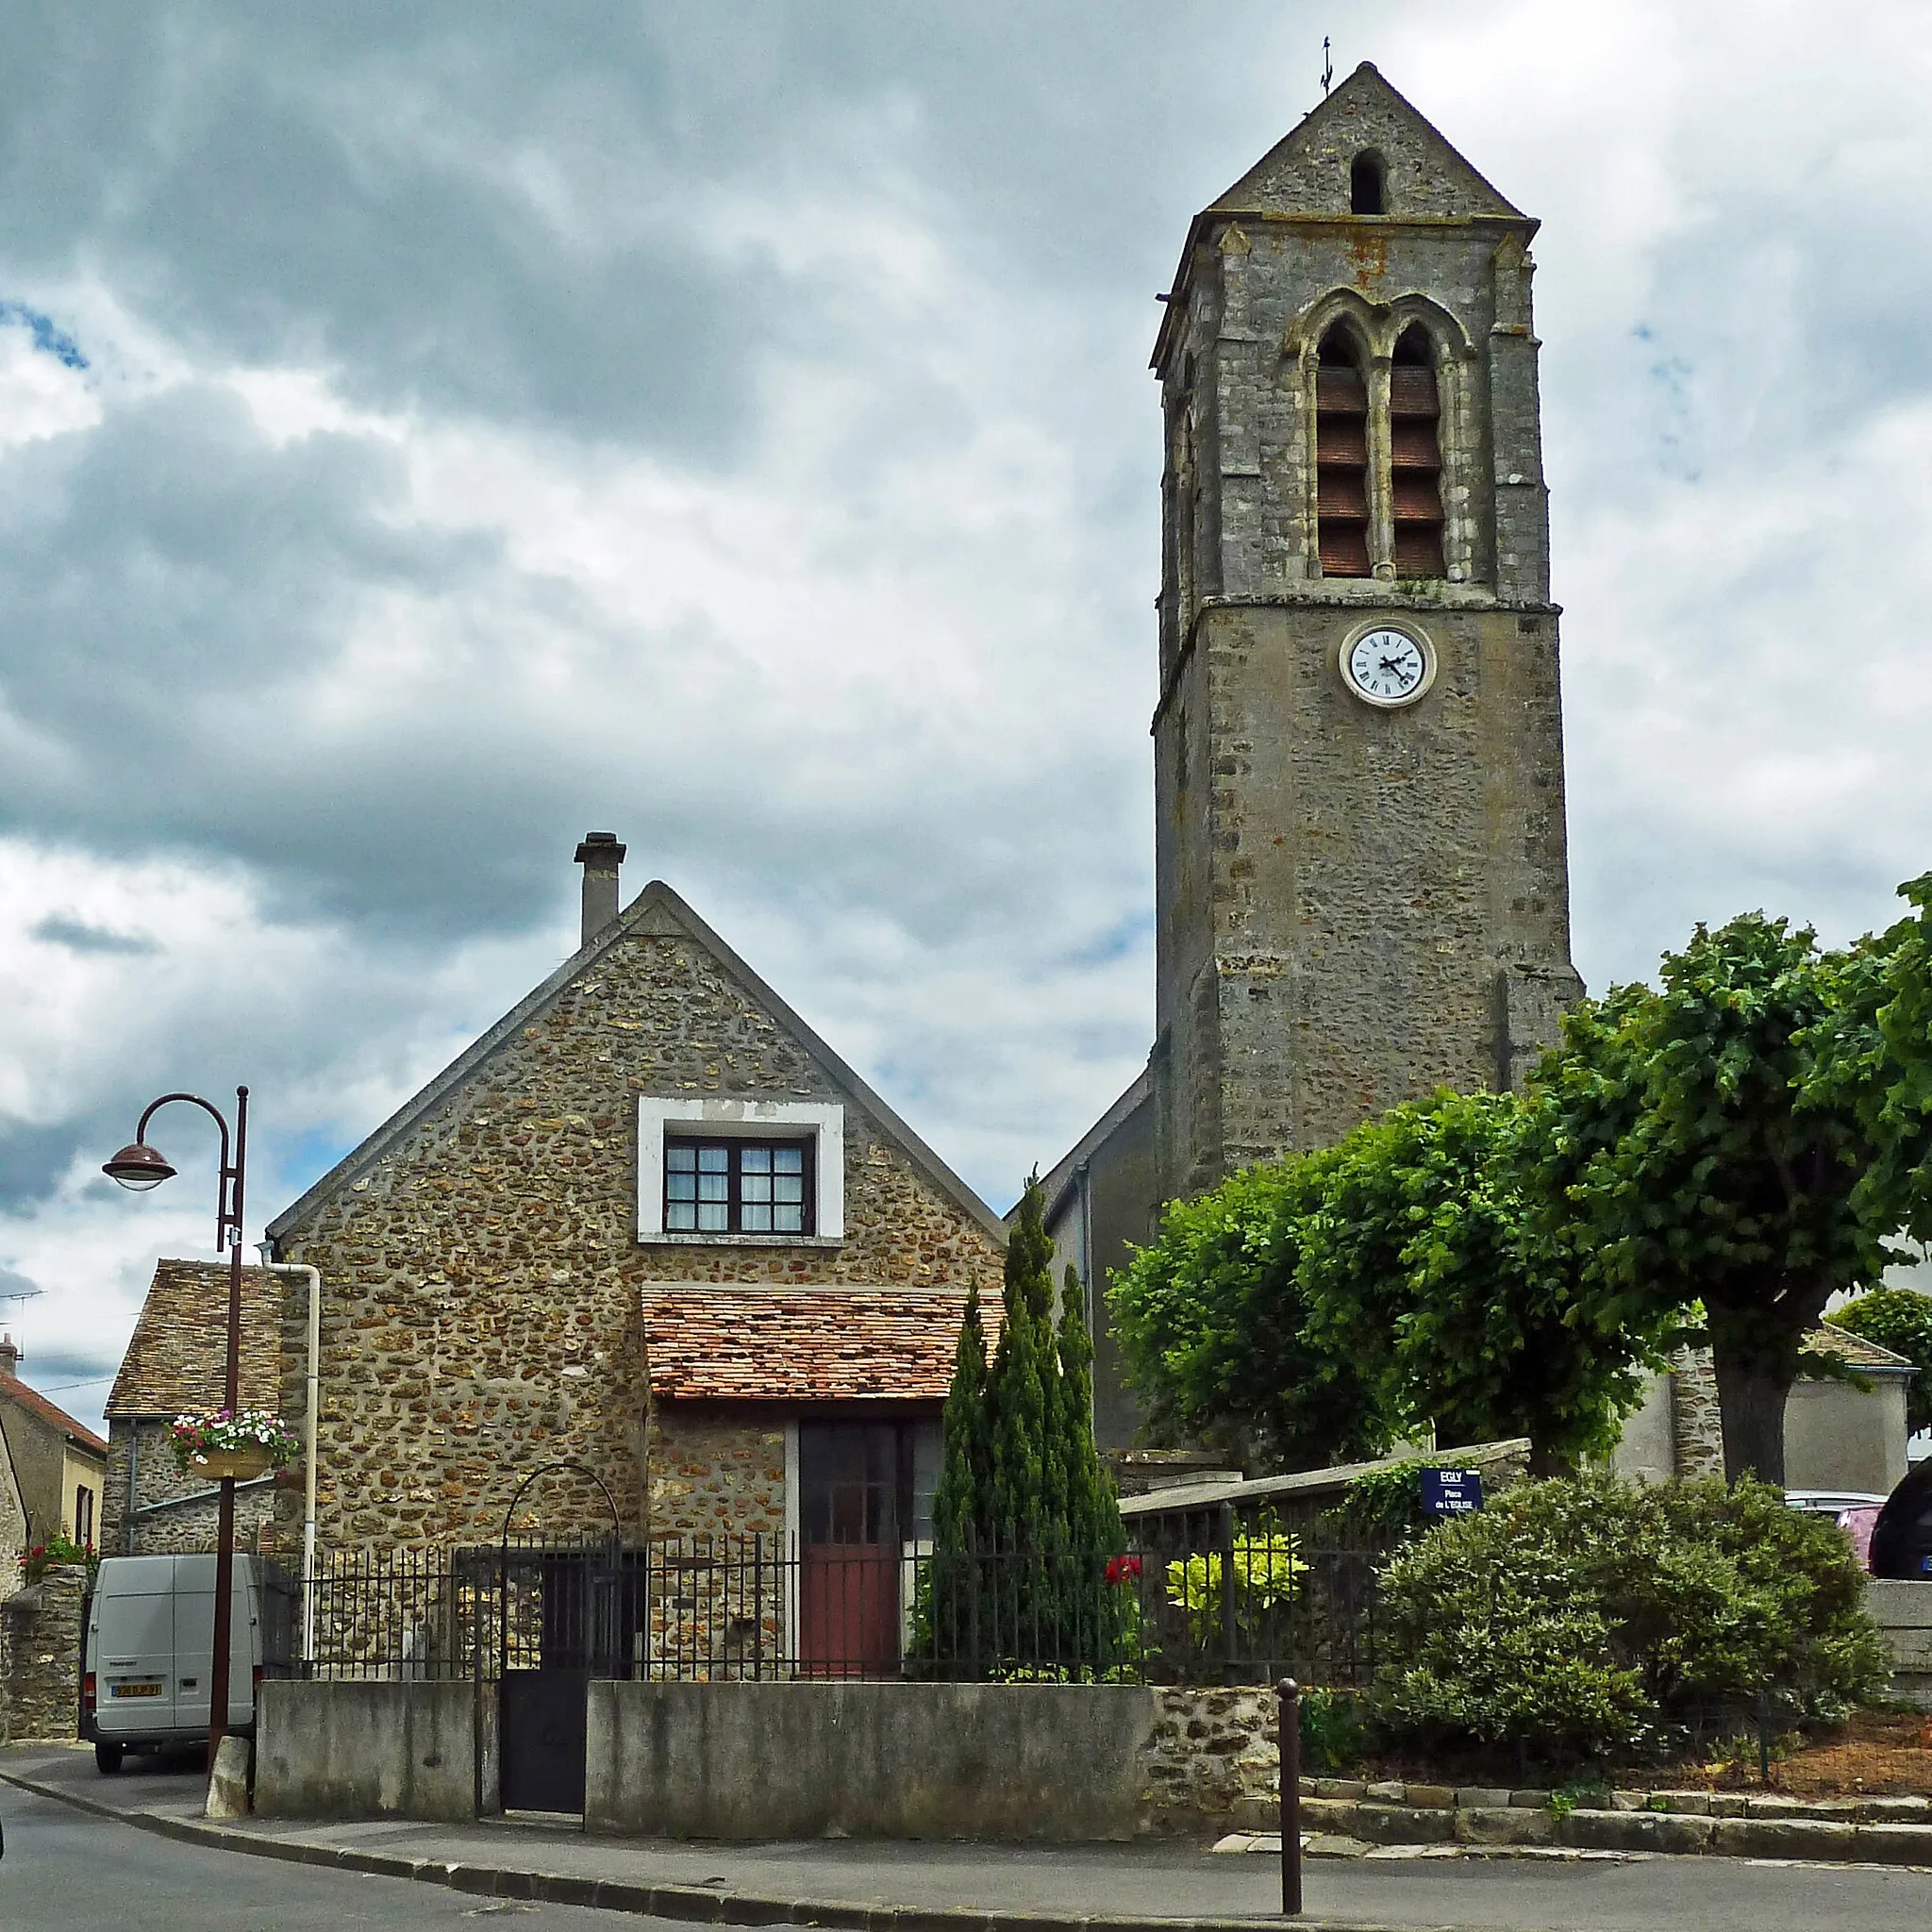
<point>194,1642</point>
<point>133,1647</point>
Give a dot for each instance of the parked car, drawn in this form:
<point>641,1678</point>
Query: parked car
<point>1902,1541</point>
<point>148,1662</point>
<point>1855,1511</point>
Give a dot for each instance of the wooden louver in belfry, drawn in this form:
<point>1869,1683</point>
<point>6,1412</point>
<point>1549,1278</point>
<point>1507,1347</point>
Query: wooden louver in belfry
<point>1341,463</point>
<point>1415,452</point>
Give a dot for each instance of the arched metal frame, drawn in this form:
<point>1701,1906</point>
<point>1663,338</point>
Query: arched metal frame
<point>502,1542</point>
<point>1377,327</point>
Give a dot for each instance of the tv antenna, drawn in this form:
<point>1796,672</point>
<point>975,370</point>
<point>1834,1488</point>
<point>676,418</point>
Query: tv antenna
<point>1327,67</point>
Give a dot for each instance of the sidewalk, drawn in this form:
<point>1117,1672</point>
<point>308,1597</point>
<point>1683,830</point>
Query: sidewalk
<point>855,1886</point>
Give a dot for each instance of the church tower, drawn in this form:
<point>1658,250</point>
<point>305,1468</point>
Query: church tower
<point>1361,879</point>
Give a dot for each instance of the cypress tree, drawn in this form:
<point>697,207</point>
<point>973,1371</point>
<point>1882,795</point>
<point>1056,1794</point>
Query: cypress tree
<point>1093,1512</point>
<point>961,1502</point>
<point>1023,1373</point>
<point>1023,1515</point>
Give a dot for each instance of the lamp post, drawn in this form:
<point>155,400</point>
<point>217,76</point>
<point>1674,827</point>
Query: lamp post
<point>139,1167</point>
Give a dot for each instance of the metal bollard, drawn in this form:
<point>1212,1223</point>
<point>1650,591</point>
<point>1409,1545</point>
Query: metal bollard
<point>1290,1744</point>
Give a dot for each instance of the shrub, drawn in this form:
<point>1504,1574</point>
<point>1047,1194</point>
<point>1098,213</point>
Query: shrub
<point>1335,1738</point>
<point>57,1550</point>
<point>1595,1618</point>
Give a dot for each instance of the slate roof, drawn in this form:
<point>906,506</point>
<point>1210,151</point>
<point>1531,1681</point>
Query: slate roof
<point>658,910</point>
<point>177,1356</point>
<point>1855,1351</point>
<point>16,1391</point>
<point>749,1342</point>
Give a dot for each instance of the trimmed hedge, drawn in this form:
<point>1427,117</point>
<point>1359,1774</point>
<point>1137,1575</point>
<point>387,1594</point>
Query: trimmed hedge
<point>1591,1618</point>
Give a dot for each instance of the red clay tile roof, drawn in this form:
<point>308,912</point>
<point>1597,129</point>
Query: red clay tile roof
<point>177,1356</point>
<point>747,1342</point>
<point>13,1390</point>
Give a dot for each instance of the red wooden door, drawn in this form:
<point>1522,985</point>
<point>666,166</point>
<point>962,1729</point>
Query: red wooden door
<point>848,1610</point>
<point>849,1554</point>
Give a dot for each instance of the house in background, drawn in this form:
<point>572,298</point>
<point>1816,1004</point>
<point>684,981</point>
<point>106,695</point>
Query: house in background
<point>59,1463</point>
<point>13,1537</point>
<point>650,1227</point>
<point>177,1359</point>
<point>1837,1435</point>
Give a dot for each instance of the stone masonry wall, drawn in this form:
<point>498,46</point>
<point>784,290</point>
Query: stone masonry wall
<point>40,1657</point>
<point>185,1524</point>
<point>715,1475</point>
<point>480,1284</point>
<point>1354,906</point>
<point>1696,1421</point>
<point>1210,1750</point>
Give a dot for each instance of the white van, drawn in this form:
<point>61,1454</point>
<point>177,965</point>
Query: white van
<point>148,1666</point>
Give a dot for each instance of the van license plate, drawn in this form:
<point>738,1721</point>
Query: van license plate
<point>134,1689</point>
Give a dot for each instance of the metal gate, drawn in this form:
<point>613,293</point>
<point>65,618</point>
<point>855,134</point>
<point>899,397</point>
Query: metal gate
<point>566,1614</point>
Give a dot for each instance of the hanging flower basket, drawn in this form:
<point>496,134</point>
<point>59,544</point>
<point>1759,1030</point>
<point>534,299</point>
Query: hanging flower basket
<point>213,1444</point>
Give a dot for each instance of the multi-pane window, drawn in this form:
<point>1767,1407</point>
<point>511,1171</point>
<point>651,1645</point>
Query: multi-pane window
<point>737,1187</point>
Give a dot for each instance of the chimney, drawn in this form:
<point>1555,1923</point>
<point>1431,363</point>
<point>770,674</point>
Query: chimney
<point>600,855</point>
<point>9,1357</point>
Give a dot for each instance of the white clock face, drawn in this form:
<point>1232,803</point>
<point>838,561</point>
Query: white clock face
<point>1386,667</point>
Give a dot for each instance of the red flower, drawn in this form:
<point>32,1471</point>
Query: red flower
<point>1120,1569</point>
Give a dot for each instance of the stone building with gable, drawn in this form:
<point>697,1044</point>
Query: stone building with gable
<point>177,1361</point>
<point>649,1225</point>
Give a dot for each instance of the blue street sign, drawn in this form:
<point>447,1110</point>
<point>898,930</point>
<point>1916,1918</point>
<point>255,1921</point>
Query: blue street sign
<point>1452,1491</point>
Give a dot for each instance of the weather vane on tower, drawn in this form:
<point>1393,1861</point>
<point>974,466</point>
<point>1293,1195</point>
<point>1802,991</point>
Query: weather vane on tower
<point>1327,67</point>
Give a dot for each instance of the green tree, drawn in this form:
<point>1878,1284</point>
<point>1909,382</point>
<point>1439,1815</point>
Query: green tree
<point>1690,1156</point>
<point>1023,1515</point>
<point>1215,1334</point>
<point>1871,1055</point>
<point>1900,1319</point>
<point>961,1498</point>
<point>1308,1309</point>
<point>1593,1618</point>
<point>1425,1259</point>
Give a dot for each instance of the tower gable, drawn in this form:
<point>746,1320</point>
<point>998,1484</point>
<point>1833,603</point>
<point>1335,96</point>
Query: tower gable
<point>1309,171</point>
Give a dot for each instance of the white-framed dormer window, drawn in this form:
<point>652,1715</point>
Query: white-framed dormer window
<point>740,1172</point>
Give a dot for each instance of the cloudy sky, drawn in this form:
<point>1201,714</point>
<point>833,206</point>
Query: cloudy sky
<point>429,432</point>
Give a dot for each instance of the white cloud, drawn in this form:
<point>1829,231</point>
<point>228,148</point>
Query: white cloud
<point>731,426</point>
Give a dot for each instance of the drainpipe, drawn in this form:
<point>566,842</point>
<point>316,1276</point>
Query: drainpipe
<point>312,1420</point>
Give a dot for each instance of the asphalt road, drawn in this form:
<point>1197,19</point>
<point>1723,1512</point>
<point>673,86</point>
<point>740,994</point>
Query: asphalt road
<point>66,1871</point>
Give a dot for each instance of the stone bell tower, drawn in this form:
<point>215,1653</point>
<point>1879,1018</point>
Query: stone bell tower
<point>1363,885</point>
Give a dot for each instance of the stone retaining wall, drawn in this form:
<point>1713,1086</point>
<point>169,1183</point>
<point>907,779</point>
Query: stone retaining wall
<point>40,1658</point>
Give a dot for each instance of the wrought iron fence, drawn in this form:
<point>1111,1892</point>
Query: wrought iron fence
<point>1247,1605</point>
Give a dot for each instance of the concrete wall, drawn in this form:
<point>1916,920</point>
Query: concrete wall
<point>1903,1612</point>
<point>352,1750</point>
<point>1838,1437</point>
<point>996,1761</point>
<point>894,1761</point>
<point>1646,1452</point>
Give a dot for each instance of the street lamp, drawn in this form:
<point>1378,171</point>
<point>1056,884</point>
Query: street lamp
<point>139,1167</point>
